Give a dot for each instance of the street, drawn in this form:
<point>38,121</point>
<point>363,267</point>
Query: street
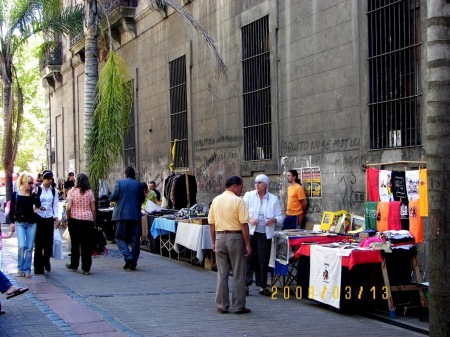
<point>160,298</point>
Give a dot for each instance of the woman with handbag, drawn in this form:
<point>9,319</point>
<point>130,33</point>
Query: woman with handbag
<point>23,220</point>
<point>47,220</point>
<point>81,215</point>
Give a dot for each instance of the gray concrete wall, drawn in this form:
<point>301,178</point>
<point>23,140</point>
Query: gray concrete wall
<point>319,96</point>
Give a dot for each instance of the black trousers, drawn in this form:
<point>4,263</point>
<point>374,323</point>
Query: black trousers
<point>43,243</point>
<point>81,238</point>
<point>258,262</point>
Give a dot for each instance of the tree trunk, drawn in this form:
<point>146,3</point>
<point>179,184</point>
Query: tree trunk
<point>91,70</point>
<point>8,161</point>
<point>438,163</point>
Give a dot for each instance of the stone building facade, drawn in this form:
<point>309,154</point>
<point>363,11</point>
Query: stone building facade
<point>329,85</point>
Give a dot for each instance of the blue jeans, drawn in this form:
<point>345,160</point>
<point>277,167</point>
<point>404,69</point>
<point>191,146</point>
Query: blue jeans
<point>5,284</point>
<point>26,232</point>
<point>128,231</point>
<point>290,222</point>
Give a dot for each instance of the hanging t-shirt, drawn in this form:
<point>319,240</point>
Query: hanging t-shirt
<point>394,222</point>
<point>373,175</point>
<point>398,185</point>
<point>404,214</point>
<point>382,216</point>
<point>371,215</point>
<point>412,184</point>
<point>423,192</point>
<point>385,185</point>
<point>415,221</point>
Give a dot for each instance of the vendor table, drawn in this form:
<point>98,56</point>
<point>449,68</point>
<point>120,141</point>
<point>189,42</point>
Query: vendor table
<point>195,237</point>
<point>285,243</point>
<point>364,257</point>
<point>164,228</point>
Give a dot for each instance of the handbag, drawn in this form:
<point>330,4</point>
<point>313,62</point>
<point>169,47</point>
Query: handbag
<point>57,245</point>
<point>66,234</point>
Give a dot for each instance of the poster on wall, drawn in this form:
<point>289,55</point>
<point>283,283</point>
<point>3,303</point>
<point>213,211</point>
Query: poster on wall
<point>312,181</point>
<point>306,181</point>
<point>316,183</point>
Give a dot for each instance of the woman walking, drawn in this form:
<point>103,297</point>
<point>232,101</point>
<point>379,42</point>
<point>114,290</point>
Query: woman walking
<point>47,220</point>
<point>81,217</point>
<point>22,216</point>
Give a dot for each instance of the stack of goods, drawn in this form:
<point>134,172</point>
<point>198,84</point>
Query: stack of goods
<point>397,201</point>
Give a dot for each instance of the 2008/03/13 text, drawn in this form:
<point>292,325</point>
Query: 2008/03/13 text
<point>336,292</point>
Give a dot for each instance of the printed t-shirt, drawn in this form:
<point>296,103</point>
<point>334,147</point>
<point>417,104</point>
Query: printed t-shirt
<point>81,204</point>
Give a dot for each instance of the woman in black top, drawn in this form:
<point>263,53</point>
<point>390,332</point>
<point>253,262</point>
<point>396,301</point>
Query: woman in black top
<point>22,216</point>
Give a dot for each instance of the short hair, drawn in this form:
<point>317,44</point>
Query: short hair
<point>130,172</point>
<point>82,182</point>
<point>71,174</point>
<point>152,182</point>
<point>233,180</point>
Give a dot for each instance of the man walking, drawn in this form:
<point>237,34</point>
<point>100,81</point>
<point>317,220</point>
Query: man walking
<point>228,219</point>
<point>296,205</point>
<point>129,196</point>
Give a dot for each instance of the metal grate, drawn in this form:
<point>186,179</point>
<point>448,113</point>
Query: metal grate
<point>394,81</point>
<point>129,148</point>
<point>178,110</point>
<point>256,90</point>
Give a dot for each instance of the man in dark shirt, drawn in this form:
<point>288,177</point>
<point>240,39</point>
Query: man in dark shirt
<point>69,183</point>
<point>152,186</point>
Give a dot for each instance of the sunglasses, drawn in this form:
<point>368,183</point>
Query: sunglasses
<point>30,183</point>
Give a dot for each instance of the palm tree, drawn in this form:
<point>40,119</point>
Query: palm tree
<point>107,107</point>
<point>20,20</point>
<point>438,163</point>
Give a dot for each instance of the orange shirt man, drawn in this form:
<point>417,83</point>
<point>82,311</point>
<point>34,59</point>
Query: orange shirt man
<point>297,203</point>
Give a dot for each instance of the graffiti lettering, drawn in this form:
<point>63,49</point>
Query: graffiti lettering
<point>206,142</point>
<point>325,145</point>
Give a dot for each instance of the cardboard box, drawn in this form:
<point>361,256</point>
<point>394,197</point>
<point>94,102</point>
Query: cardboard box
<point>199,221</point>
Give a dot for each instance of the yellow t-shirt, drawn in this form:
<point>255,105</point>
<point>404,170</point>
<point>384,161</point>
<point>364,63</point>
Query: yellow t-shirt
<point>296,194</point>
<point>228,212</point>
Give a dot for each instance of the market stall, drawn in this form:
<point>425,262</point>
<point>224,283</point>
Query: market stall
<point>194,236</point>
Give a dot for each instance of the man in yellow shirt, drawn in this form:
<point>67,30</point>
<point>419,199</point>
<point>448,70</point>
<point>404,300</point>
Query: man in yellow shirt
<point>228,220</point>
<point>297,203</point>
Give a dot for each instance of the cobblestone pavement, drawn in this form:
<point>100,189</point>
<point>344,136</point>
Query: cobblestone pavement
<point>160,298</point>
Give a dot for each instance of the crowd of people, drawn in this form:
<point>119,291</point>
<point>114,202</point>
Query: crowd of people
<point>241,228</point>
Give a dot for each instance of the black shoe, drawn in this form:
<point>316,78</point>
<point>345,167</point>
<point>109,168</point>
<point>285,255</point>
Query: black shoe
<point>48,267</point>
<point>68,266</point>
<point>127,265</point>
<point>265,292</point>
<point>133,266</point>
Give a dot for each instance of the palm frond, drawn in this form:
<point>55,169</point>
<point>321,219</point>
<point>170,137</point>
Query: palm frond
<point>111,118</point>
<point>161,5</point>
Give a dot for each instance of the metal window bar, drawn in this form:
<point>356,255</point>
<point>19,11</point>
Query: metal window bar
<point>178,110</point>
<point>394,77</point>
<point>256,90</point>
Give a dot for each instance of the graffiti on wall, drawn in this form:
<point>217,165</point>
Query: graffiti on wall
<point>325,145</point>
<point>212,171</point>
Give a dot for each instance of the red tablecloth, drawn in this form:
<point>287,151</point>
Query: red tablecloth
<point>299,240</point>
<point>356,256</point>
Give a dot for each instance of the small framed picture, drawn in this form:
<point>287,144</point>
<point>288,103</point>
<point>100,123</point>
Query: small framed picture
<point>358,223</point>
<point>327,221</point>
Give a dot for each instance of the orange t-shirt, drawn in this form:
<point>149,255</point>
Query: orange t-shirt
<point>296,194</point>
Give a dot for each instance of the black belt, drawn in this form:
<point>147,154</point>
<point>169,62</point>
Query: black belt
<point>229,232</point>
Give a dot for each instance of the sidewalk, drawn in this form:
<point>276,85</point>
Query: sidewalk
<point>160,298</point>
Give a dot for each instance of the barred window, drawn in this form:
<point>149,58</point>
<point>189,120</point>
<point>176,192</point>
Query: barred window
<point>129,148</point>
<point>178,111</point>
<point>256,90</point>
<point>394,81</point>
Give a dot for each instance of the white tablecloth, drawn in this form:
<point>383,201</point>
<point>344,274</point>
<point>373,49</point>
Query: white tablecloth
<point>194,237</point>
